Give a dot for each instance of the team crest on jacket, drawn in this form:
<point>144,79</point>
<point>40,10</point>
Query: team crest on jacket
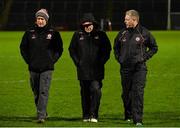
<point>137,39</point>
<point>96,37</point>
<point>49,36</point>
<point>81,38</point>
<point>124,39</point>
<point>33,36</point>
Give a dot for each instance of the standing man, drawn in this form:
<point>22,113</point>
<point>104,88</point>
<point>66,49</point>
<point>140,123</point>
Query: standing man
<point>133,46</point>
<point>90,49</point>
<point>41,47</point>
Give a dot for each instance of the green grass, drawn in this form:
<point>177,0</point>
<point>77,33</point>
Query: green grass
<point>161,101</point>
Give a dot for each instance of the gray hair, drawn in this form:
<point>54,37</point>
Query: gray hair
<point>133,13</point>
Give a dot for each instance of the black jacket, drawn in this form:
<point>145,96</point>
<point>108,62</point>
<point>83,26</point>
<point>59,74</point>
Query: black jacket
<point>41,48</point>
<point>134,45</point>
<point>90,51</point>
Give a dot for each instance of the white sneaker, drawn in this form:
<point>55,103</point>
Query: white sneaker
<point>94,120</point>
<point>86,120</point>
<point>139,124</point>
<point>128,120</point>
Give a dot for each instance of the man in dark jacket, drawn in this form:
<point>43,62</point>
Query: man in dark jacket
<point>133,46</point>
<point>41,47</point>
<point>90,49</point>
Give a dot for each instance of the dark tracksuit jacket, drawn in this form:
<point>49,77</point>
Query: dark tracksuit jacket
<point>41,48</point>
<point>132,48</point>
<point>89,53</point>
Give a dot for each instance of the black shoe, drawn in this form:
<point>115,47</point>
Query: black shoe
<point>46,115</point>
<point>40,120</point>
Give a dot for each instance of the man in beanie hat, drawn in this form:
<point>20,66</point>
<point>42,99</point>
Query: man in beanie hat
<point>90,49</point>
<point>42,13</point>
<point>41,47</point>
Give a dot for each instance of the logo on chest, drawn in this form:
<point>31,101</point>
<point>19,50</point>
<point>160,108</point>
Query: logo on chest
<point>137,39</point>
<point>33,36</point>
<point>49,36</point>
<point>124,39</point>
<point>81,37</point>
<point>96,37</point>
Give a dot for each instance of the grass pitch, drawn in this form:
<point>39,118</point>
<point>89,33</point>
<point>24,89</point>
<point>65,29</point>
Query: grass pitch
<point>162,91</point>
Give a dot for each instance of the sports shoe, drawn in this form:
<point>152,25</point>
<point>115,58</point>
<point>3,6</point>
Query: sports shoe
<point>138,124</point>
<point>40,120</point>
<point>86,120</point>
<point>93,120</point>
<point>128,120</point>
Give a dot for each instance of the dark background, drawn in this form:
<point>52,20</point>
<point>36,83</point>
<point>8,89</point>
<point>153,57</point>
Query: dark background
<point>65,14</point>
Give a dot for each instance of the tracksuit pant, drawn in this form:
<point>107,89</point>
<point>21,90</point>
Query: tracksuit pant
<point>90,97</point>
<point>133,77</point>
<point>40,84</point>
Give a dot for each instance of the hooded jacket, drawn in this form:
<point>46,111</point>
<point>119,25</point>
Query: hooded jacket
<point>41,48</point>
<point>90,51</point>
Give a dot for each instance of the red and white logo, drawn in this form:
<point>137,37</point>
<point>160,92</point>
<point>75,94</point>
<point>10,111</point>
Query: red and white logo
<point>49,36</point>
<point>33,36</point>
<point>137,39</point>
<point>81,38</point>
<point>124,39</point>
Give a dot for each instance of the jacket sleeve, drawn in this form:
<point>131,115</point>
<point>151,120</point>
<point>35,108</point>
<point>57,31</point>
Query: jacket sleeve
<point>73,49</point>
<point>57,46</point>
<point>24,47</point>
<point>106,48</point>
<point>152,47</point>
<point>117,47</point>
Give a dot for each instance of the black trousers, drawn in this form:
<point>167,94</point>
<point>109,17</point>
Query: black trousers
<point>90,98</point>
<point>133,78</point>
